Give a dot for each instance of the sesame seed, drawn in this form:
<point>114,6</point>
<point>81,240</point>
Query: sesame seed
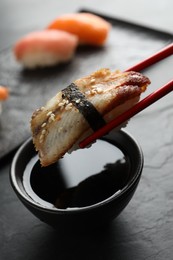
<point>43,125</point>
<point>93,91</point>
<point>61,104</point>
<point>69,106</point>
<point>88,92</point>
<point>61,107</point>
<point>50,119</point>
<point>52,116</point>
<point>41,138</point>
<point>49,113</point>
<point>78,101</point>
<point>43,132</point>
<point>93,80</point>
<point>99,90</point>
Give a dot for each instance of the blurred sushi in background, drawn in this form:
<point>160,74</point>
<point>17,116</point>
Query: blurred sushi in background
<point>89,28</point>
<point>45,48</point>
<point>4,94</point>
<point>58,42</point>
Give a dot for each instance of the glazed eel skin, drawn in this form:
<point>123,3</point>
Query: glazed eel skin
<point>82,107</point>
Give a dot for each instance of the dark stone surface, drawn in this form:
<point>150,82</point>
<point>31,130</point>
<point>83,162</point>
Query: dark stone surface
<point>145,228</point>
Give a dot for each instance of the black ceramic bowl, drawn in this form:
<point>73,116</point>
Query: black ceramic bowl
<point>88,188</point>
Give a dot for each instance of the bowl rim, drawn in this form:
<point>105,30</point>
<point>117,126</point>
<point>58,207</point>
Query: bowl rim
<point>27,199</point>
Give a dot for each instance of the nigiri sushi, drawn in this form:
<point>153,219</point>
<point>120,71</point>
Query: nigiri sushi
<point>4,94</point>
<point>89,28</point>
<point>84,106</point>
<point>45,48</point>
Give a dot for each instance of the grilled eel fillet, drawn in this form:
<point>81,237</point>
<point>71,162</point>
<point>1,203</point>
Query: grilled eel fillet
<point>82,107</point>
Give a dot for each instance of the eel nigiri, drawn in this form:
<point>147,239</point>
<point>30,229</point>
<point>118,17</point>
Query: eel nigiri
<point>45,48</point>
<point>89,28</point>
<point>83,106</point>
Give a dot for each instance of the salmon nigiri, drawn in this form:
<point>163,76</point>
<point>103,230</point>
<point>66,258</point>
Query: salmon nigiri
<point>89,28</point>
<point>4,94</point>
<point>45,48</point>
<point>84,106</point>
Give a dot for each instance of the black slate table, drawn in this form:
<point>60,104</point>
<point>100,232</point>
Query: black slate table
<point>144,230</point>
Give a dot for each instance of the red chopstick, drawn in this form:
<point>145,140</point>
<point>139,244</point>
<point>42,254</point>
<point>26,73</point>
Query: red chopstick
<point>150,99</point>
<point>158,56</point>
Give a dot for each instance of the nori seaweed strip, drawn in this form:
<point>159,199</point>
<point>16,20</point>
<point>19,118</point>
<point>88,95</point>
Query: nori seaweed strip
<point>85,107</point>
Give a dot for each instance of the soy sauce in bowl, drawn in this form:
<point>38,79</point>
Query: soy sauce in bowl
<point>83,190</point>
<point>81,179</point>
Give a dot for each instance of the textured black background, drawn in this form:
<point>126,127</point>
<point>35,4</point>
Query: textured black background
<point>145,228</point>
